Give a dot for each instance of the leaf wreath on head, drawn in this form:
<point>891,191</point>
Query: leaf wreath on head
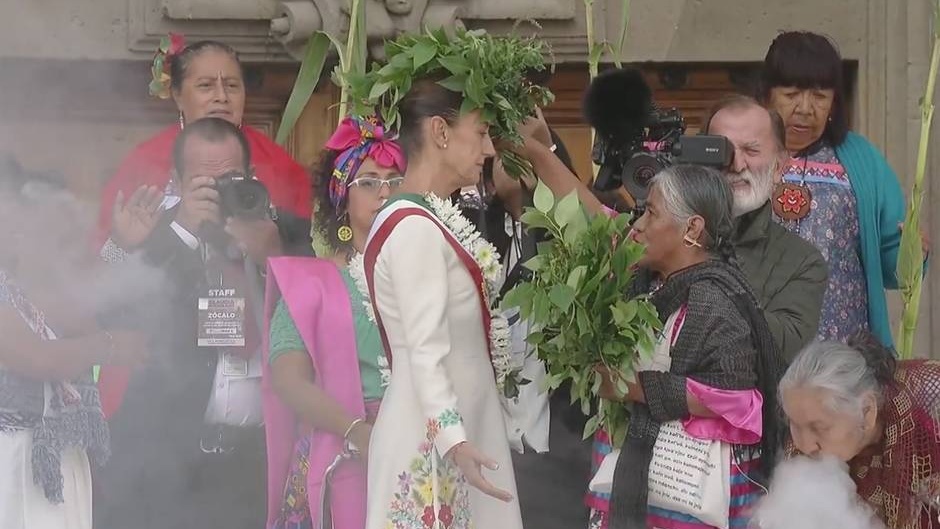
<point>489,72</point>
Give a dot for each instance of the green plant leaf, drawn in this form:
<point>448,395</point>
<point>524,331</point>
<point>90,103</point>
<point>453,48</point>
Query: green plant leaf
<point>454,65</point>
<point>306,83</point>
<point>534,264</point>
<point>533,218</point>
<point>535,338</point>
<point>567,209</point>
<point>453,83</point>
<point>575,277</point>
<point>543,199</point>
<point>591,426</point>
<point>378,90</point>
<point>562,296</point>
<point>423,52</point>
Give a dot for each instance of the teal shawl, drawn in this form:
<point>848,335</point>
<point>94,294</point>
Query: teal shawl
<point>880,204</point>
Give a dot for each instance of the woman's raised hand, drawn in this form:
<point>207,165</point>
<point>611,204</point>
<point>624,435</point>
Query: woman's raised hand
<point>134,220</point>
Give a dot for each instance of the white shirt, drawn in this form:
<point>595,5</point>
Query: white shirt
<point>527,417</point>
<point>235,399</point>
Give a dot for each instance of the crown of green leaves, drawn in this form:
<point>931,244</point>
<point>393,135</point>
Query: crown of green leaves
<point>488,71</point>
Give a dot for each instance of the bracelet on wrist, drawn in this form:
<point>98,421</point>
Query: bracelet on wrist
<point>352,425</point>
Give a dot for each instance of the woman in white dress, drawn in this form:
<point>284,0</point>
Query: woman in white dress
<point>50,414</point>
<point>439,456</point>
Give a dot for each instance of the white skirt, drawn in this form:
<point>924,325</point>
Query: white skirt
<point>23,504</point>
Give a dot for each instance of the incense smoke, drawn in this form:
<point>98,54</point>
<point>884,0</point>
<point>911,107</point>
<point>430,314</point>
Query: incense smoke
<point>813,494</point>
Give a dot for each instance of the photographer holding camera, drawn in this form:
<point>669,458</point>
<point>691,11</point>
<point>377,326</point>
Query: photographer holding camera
<point>187,442</point>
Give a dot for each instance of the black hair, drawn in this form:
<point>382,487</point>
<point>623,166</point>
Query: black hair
<point>424,100</point>
<point>215,130</point>
<point>807,60</point>
<point>179,63</point>
<point>326,218</point>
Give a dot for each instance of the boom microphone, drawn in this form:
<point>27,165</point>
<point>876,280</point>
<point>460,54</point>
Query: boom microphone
<point>618,103</point>
<point>635,140</point>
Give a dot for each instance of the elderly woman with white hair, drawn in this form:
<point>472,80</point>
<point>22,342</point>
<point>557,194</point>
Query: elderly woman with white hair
<point>711,383</point>
<point>856,402</point>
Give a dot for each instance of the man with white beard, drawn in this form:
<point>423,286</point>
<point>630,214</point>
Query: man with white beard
<point>788,275</point>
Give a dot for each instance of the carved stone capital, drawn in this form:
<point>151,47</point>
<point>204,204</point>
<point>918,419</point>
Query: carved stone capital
<point>278,30</point>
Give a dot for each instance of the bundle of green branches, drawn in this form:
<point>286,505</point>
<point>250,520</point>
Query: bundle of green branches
<point>578,307</point>
<point>489,72</point>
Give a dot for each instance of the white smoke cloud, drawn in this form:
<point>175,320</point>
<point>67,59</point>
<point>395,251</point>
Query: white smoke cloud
<point>814,494</point>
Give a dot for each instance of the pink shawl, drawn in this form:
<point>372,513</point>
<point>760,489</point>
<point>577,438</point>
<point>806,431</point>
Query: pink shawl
<point>318,302</point>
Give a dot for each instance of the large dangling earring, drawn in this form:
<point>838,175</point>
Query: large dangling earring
<point>182,121</point>
<point>344,233</point>
<point>690,242</point>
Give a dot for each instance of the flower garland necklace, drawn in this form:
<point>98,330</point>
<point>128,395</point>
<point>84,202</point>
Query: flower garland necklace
<point>487,258</point>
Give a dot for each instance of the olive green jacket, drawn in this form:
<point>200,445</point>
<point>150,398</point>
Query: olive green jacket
<point>788,275</point>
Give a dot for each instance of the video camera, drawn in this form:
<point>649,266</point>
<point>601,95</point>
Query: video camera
<point>242,196</point>
<point>635,140</point>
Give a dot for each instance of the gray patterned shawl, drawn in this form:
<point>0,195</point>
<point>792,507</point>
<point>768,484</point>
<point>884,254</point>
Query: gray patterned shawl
<point>60,414</point>
<point>724,343</point>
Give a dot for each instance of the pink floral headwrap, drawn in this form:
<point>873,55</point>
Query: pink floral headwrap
<point>357,139</point>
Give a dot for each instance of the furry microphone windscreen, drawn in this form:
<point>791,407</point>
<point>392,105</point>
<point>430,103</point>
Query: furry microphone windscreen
<point>617,103</point>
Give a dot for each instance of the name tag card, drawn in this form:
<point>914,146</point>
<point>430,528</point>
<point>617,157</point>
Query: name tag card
<point>221,319</point>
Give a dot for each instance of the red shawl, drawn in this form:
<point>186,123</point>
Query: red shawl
<point>897,476</point>
<point>150,163</point>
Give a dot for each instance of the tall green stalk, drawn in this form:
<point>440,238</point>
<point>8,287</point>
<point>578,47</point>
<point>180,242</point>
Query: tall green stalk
<point>911,256</point>
<point>352,58</point>
<point>596,49</point>
<point>356,53</point>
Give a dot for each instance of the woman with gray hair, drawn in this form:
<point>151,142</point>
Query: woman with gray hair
<point>714,373</point>
<point>854,401</point>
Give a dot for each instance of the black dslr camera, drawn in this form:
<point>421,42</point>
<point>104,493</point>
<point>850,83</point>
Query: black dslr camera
<point>243,196</point>
<point>635,140</point>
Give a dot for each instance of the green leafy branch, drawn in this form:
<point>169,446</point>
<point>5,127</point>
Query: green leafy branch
<point>911,257</point>
<point>578,307</point>
<point>489,72</point>
<point>352,59</point>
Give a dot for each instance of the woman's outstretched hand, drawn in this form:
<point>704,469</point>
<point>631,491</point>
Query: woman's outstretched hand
<point>470,460</point>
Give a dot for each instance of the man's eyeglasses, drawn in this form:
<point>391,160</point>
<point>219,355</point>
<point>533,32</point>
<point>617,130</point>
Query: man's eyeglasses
<point>373,184</point>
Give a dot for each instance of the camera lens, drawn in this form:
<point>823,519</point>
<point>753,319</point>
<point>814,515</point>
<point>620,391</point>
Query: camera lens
<point>638,172</point>
<point>243,197</point>
<point>247,196</point>
<point>644,174</point>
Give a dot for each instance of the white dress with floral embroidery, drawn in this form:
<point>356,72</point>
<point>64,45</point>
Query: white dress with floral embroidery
<point>442,389</point>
